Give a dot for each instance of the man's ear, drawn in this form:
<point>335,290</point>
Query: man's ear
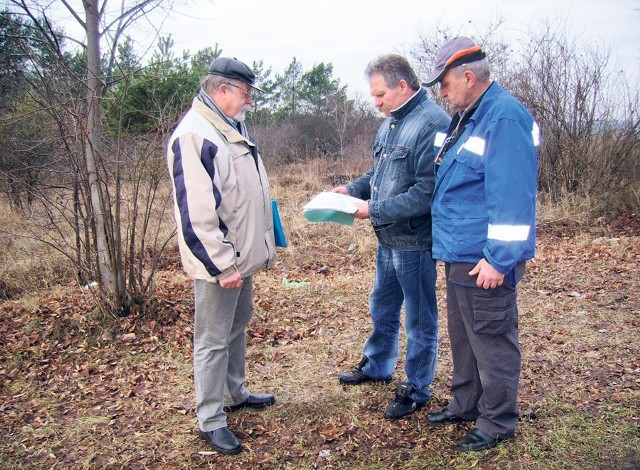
<point>470,77</point>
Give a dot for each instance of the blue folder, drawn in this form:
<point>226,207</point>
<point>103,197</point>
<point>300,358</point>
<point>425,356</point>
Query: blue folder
<point>278,231</point>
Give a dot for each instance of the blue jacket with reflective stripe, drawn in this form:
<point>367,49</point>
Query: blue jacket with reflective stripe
<point>484,202</point>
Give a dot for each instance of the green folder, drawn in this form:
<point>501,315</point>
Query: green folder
<point>328,215</point>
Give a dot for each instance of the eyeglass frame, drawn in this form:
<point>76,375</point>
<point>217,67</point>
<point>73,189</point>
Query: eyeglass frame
<point>247,93</point>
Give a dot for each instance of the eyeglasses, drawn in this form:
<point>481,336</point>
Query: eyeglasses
<point>246,93</point>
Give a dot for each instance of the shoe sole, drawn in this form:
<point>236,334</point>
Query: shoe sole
<point>370,381</point>
<point>234,451</point>
<point>225,451</point>
<point>394,418</point>
<point>450,421</point>
<point>260,406</point>
<point>471,448</point>
<point>478,448</point>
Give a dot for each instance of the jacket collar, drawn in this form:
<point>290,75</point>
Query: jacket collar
<point>409,105</point>
<point>493,89</point>
<point>224,127</point>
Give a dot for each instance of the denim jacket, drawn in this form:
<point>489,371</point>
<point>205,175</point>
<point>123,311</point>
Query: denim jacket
<point>400,184</point>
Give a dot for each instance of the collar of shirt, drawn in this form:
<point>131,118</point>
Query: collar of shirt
<point>405,108</point>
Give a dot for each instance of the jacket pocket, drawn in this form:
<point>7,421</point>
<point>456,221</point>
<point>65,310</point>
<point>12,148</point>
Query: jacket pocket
<point>384,233</point>
<point>247,174</point>
<point>495,311</point>
<point>470,159</point>
<point>398,163</point>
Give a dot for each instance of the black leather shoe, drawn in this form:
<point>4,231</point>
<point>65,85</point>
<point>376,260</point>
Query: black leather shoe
<point>402,405</point>
<point>479,440</point>
<point>256,401</point>
<point>357,377</point>
<point>444,416</point>
<point>222,440</point>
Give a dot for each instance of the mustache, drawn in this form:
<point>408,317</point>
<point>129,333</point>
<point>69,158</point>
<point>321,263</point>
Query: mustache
<point>242,114</point>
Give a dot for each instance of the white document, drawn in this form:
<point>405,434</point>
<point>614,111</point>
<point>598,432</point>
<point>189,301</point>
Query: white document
<point>331,207</point>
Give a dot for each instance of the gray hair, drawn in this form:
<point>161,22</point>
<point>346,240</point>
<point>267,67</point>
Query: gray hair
<point>393,68</point>
<point>210,83</point>
<point>480,69</point>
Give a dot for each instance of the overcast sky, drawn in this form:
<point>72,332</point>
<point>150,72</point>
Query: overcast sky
<point>349,33</point>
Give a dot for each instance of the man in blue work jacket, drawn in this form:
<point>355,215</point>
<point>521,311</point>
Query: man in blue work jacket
<point>483,212</point>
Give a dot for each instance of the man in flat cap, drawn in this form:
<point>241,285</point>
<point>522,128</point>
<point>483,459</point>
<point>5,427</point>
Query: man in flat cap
<point>483,209</point>
<point>225,234</point>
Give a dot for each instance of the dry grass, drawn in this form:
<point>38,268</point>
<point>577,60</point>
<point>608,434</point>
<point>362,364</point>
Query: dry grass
<point>27,265</point>
<point>38,245</point>
<point>71,397</point>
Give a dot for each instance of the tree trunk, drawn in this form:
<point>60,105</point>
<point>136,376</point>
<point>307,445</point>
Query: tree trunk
<point>111,281</point>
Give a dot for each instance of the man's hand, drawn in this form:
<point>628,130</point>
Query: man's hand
<point>488,277</point>
<point>363,210</point>
<point>232,282</point>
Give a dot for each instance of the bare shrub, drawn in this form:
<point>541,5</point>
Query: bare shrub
<point>588,116</point>
<point>336,134</point>
<point>587,111</point>
<point>60,218</point>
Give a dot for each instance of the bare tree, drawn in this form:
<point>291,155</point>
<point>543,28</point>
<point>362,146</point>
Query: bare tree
<point>588,114</point>
<point>587,111</point>
<point>78,109</point>
<point>349,119</point>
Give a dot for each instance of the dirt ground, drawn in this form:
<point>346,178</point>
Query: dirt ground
<point>81,391</point>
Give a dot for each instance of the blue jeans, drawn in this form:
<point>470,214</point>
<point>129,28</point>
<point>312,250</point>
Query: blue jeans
<point>407,277</point>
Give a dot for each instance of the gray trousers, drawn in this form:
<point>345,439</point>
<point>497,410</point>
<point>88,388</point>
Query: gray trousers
<point>219,349</point>
<point>483,330</point>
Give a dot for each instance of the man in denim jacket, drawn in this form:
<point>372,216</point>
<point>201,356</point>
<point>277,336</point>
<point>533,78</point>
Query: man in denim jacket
<point>396,195</point>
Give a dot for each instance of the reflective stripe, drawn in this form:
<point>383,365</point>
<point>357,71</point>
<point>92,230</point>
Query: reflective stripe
<point>439,139</point>
<point>535,132</point>
<point>475,145</point>
<point>508,233</point>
